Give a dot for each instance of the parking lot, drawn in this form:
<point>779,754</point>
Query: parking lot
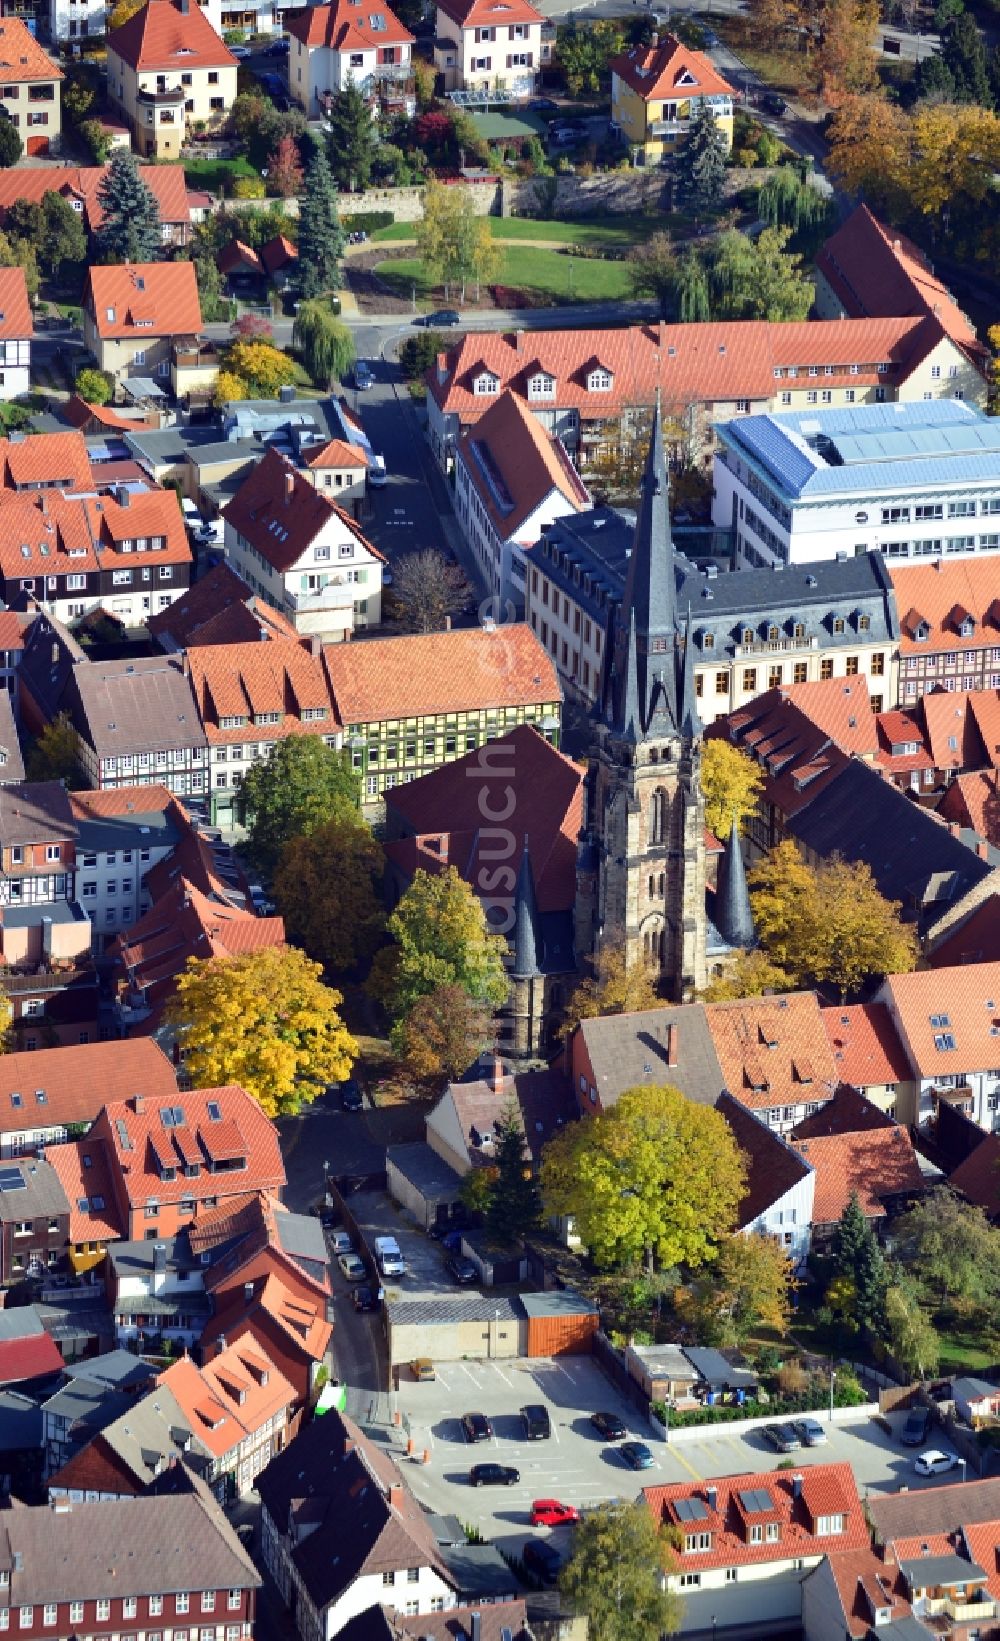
<point>377,1215</point>
<point>576,1465</point>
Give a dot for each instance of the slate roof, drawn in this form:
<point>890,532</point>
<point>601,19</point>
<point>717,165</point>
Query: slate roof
<point>145,705</point>
<point>941,1509</point>
<point>144,1439</point>
<point>498,1621</point>
<point>626,1050</point>
<point>773,1166</point>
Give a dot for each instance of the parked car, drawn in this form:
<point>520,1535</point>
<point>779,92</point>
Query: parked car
<point>423,1370</point>
<point>771,103</point>
<point>810,1432</point>
<point>353,1267</point>
<point>448,1237</point>
<point>389,1256</point>
<point>262,905</point>
<point>461,1269</point>
<point>494,1475</point>
<point>543,1559</point>
<point>365,1299</point>
<point>609,1425</point>
<point>537,1425</point>
<point>341,1243</point>
<point>550,1513</point>
<point>442,316</point>
<point>351,1097</point>
<point>241,52</point>
<point>934,1462</point>
<point>277,48</point>
<point>476,1427</point>
<point>363,377</point>
<point>918,1423</point>
<point>636,1455</point>
<point>782,1437</point>
<point>543,105</point>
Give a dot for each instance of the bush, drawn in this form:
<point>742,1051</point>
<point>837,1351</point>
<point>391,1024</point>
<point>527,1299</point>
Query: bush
<point>793,1379</point>
<point>96,386</point>
<point>847,1393</point>
<point>367,222</point>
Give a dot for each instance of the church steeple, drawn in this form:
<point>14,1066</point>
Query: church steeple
<point>644,682</point>
<point>527,931</point>
<point>690,718</point>
<point>733,916</point>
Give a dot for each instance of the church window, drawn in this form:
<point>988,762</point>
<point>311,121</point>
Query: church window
<point>662,883</point>
<point>658,816</point>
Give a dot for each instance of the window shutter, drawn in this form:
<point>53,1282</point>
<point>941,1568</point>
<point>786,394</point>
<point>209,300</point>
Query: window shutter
<point>510,60</point>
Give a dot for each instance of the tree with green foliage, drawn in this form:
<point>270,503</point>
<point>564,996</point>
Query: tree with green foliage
<point>584,52</point>
<point>130,230</point>
<point>17,253</point>
<point>653,272</point>
<point>950,1247</point>
<point>614,1576</point>
<point>326,889</point>
<point>98,142</point>
<point>656,1178</point>
<point>301,785</point>
<point>515,1205</point>
<point>692,289</point>
<point>324,341</point>
<point>857,1259</point>
<point>10,143</point>
<point>963,51</point>
<point>441,938</point>
<point>351,141</point>
<point>55,755</point>
<point>418,353</point>
<point>759,279</point>
<point>700,166</point>
<point>788,200</point>
<point>321,239</point>
<point>456,246</point>
<point>215,305</point>
<point>934,80</point>
<point>909,1332</point>
<point>63,236</point>
<point>96,386</point>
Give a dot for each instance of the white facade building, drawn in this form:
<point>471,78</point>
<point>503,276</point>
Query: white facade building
<point>915,481</point>
<point>948,1021</point>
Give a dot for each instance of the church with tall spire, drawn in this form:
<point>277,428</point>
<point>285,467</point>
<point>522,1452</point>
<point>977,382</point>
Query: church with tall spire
<point>641,856</point>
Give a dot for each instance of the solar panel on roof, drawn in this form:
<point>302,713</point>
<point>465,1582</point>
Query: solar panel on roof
<point>756,1501</point>
<point>11,1179</point>
<point>690,1510</point>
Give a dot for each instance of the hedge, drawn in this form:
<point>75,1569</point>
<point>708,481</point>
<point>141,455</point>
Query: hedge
<point>367,221</point>
<point>847,1394</point>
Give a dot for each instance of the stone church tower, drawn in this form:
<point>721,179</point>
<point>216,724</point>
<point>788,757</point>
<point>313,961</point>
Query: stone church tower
<point>641,858</point>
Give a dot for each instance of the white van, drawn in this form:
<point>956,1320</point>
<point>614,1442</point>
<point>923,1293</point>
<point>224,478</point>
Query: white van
<point>389,1256</point>
<point>192,517</point>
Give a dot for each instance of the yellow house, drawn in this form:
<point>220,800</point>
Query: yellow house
<point>656,91</point>
<point>29,87</point>
<point>168,70</point>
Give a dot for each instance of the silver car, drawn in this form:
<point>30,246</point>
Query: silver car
<point>810,1432</point>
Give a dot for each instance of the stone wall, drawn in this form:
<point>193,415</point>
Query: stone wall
<point>406,204</point>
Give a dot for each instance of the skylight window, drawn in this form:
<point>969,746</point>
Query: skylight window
<point>939,1020</point>
<point>944,1041</point>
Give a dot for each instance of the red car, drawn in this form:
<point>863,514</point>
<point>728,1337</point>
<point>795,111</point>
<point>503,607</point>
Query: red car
<point>550,1513</point>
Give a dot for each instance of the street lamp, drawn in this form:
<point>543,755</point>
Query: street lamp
<point>832,1379</point>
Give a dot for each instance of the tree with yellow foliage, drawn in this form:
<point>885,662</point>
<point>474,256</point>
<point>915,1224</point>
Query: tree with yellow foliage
<point>778,885</point>
<point>324,887</point>
<point>122,12</point>
<point>615,987</point>
<point>748,1287</point>
<point>263,368</point>
<point>869,143</point>
<point>266,1021</point>
<point>751,974</point>
<point>939,154</point>
<point>731,782</point>
<point>845,59</point>
<point>441,1036</point>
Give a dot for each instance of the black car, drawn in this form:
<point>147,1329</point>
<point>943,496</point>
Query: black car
<point>351,1097</point>
<point>462,1269</point>
<point>443,316</point>
<point>537,1425</point>
<point>477,1427</point>
<point>918,1422</point>
<point>771,103</point>
<point>494,1475</point>
<point>543,1559</point>
<point>609,1425</point>
<point>543,105</point>
<point>364,1299</point>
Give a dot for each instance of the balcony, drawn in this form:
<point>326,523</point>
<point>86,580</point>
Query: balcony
<point>162,98</point>
<point>336,595</point>
<point>668,128</point>
<point>967,1612</point>
<point>774,646</point>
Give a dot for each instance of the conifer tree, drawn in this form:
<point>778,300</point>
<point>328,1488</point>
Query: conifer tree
<point>321,238</point>
<point>130,230</point>
<point>352,139</point>
<point>701,163</point>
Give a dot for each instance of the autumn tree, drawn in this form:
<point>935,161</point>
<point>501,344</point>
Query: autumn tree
<point>262,368</point>
<point>442,938</point>
<point>731,781</point>
<point>750,974</point>
<point>441,1036</point>
<point>265,1021</point>
<point>652,267</point>
<point>428,588</point>
<point>130,229</point>
<point>615,987</point>
<point>657,1177</point>
<point>325,888</point>
<point>123,11</point>
<point>614,1576</point>
<point>456,247</point>
<point>950,1246</point>
<point>869,139</point>
<point>55,755</point>
<point>301,784</point>
<point>845,60</point>
<point>910,1334</point>
<point>749,1287</point>
<point>769,20</point>
<point>284,171</point>
<point>96,386</point>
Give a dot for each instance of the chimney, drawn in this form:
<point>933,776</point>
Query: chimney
<point>315,645</point>
<point>396,1496</point>
<point>954,828</point>
<point>671,1045</point>
<point>518,341</point>
<point>348,1446</point>
<point>247,1291</point>
<point>475,1627</point>
<point>497,1074</point>
<point>221,1341</point>
<point>289,487</point>
<point>185,664</point>
<point>796,1486</point>
<point>983,850</point>
<point>712,1496</point>
<point>138,1104</point>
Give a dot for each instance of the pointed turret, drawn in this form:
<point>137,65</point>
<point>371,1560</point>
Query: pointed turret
<point>733,917</point>
<point>690,718</point>
<point>527,926</point>
<point>645,651</point>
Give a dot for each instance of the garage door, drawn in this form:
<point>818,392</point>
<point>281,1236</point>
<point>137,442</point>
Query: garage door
<point>38,145</point>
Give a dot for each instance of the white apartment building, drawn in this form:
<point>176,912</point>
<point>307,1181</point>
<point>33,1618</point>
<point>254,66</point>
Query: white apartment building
<point>494,44</point>
<point>948,1021</point>
<point>914,481</point>
<point>350,42</point>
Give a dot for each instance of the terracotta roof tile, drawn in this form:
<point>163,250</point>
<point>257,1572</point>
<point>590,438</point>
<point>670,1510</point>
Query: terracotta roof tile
<point>490,13</point>
<point>773,1051</point>
<point>219,608</point>
<point>973,801</point>
<point>226,1401</point>
<point>45,458</point>
<point>278,253</point>
<point>932,593</point>
<point>346,26</point>
<point>252,680</point>
<point>864,1580</point>
<point>939,1007</point>
<point>826,1489</point>
<point>235,256</point>
<point>15,310</point>
<point>184,923</point>
<point>669,69</point>
<point>76,1082</point>
<point>866,1048</point>
<point>21,56</point>
<point>32,1358</point>
<point>428,673</point>
<point>86,1173</point>
<point>978,1177</point>
<point>144,298</point>
<point>167,35</point>
<point>338,453</point>
<point>515,465</point>
<point>875,1163</point>
<point>280,512</point>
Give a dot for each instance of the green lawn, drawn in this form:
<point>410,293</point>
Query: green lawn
<point>961,1351</point>
<point>565,278</point>
<point>217,176</point>
<point>624,230</point>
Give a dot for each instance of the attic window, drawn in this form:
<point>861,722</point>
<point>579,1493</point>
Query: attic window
<point>967,628</point>
<point>922,632</point>
<point>944,1041</point>
<point>939,1020</point>
<point>110,315</point>
<point>214,1111</point>
<point>600,381</point>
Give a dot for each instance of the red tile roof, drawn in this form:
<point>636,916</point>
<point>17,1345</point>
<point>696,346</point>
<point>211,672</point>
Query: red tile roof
<point>86,1172</point>
<point>508,444</point>
<point>15,310</point>
<point>424,674</point>
<point>144,298</point>
<point>281,513</point>
<point>77,1081</point>
<point>43,532</point>
<point>669,69</point>
<point>773,1051</point>
<point>967,997</point>
<point>88,417</point>
<point>799,755</point>
<point>826,1490</point>
<point>693,363</point>
<point>773,1166</point>
<point>21,57</point>
<point>347,26</point>
<point>975,939</point>
<point>338,453</point>
<point>300,1317</point>
<point>232,1397</point>
<point>79,185</point>
<point>219,609</point>
<point>953,731</point>
<point>235,256</point>
<point>490,13</point>
<point>935,593</point>
<point>183,923</point>
<point>45,458</point>
<point>875,272</point>
<point>251,680</point>
<point>874,1163</point>
<point>278,253</point>
<point>864,1582</point>
<point>978,1177</point>
<point>866,1048</point>
<point>167,34</point>
<point>902,727</point>
<point>30,1358</point>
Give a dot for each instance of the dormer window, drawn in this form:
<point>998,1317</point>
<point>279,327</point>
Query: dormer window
<point>600,380</point>
<point>746,636</point>
<point>541,385</point>
<point>486,385</point>
<point>708,640</point>
<point>922,632</point>
<point>968,627</point>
